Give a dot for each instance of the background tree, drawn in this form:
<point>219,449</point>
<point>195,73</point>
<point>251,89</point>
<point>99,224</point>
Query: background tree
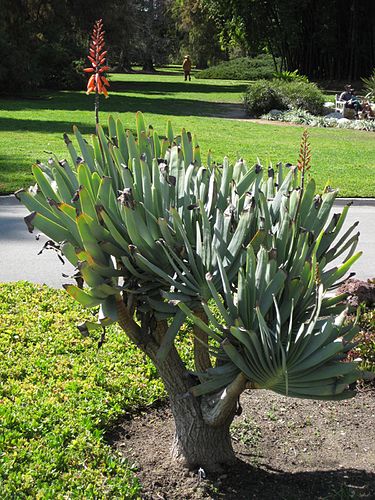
<point>120,21</point>
<point>150,40</point>
<point>198,32</point>
<point>43,43</point>
<point>324,40</point>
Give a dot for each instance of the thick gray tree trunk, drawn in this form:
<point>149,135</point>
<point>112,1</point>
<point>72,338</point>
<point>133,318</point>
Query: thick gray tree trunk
<point>199,445</point>
<point>202,437</point>
<point>196,443</point>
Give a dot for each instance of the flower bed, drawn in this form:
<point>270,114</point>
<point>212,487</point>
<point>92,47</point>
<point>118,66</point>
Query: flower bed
<point>302,117</point>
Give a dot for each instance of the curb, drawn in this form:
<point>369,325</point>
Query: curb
<point>8,199</point>
<point>358,202</point>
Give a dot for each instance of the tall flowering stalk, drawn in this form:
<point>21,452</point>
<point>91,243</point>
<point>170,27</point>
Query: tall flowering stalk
<point>97,56</point>
<point>304,160</point>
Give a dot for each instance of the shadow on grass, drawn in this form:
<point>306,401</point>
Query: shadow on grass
<point>44,126</point>
<point>161,87</point>
<point>117,103</point>
<point>157,87</point>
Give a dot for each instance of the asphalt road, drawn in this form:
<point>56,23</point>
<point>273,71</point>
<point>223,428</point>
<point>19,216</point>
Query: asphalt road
<point>19,259</point>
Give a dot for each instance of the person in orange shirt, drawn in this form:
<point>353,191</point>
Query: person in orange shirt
<point>186,66</point>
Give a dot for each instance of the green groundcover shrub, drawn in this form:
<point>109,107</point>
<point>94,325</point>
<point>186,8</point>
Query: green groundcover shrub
<point>242,68</point>
<point>264,95</point>
<point>59,393</point>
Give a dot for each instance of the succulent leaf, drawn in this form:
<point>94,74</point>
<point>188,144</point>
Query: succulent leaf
<point>145,222</point>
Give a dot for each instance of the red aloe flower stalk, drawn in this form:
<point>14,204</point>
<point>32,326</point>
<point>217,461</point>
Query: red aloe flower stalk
<point>97,55</point>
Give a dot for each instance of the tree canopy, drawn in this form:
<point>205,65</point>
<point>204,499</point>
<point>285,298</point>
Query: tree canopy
<point>44,43</point>
<point>323,40</point>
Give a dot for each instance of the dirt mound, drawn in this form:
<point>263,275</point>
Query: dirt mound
<point>359,292</point>
<point>287,449</point>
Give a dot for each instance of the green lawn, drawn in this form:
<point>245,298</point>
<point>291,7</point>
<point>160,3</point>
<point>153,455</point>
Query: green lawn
<point>31,126</point>
<point>59,394</point>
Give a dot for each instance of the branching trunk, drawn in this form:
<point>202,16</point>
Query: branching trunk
<point>202,437</point>
<point>201,355</point>
<point>197,444</point>
<point>218,408</point>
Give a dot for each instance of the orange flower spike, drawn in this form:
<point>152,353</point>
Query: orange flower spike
<point>91,85</point>
<point>105,81</point>
<point>97,56</point>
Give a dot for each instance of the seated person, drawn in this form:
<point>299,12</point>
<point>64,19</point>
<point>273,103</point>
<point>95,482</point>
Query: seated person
<point>351,100</point>
<point>367,111</point>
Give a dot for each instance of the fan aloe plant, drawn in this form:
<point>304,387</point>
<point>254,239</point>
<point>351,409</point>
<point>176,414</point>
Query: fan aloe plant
<point>157,236</point>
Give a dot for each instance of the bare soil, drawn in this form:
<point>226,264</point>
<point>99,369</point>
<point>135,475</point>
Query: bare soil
<point>286,448</point>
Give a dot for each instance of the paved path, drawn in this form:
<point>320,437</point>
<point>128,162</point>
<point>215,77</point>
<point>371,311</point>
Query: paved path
<point>19,259</point>
<point>19,249</point>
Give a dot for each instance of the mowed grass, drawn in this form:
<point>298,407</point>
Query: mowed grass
<point>32,127</point>
<point>59,394</point>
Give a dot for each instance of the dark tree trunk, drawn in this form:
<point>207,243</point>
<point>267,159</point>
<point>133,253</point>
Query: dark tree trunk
<point>124,64</point>
<point>202,437</point>
<point>201,62</point>
<point>148,65</point>
<point>195,443</point>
